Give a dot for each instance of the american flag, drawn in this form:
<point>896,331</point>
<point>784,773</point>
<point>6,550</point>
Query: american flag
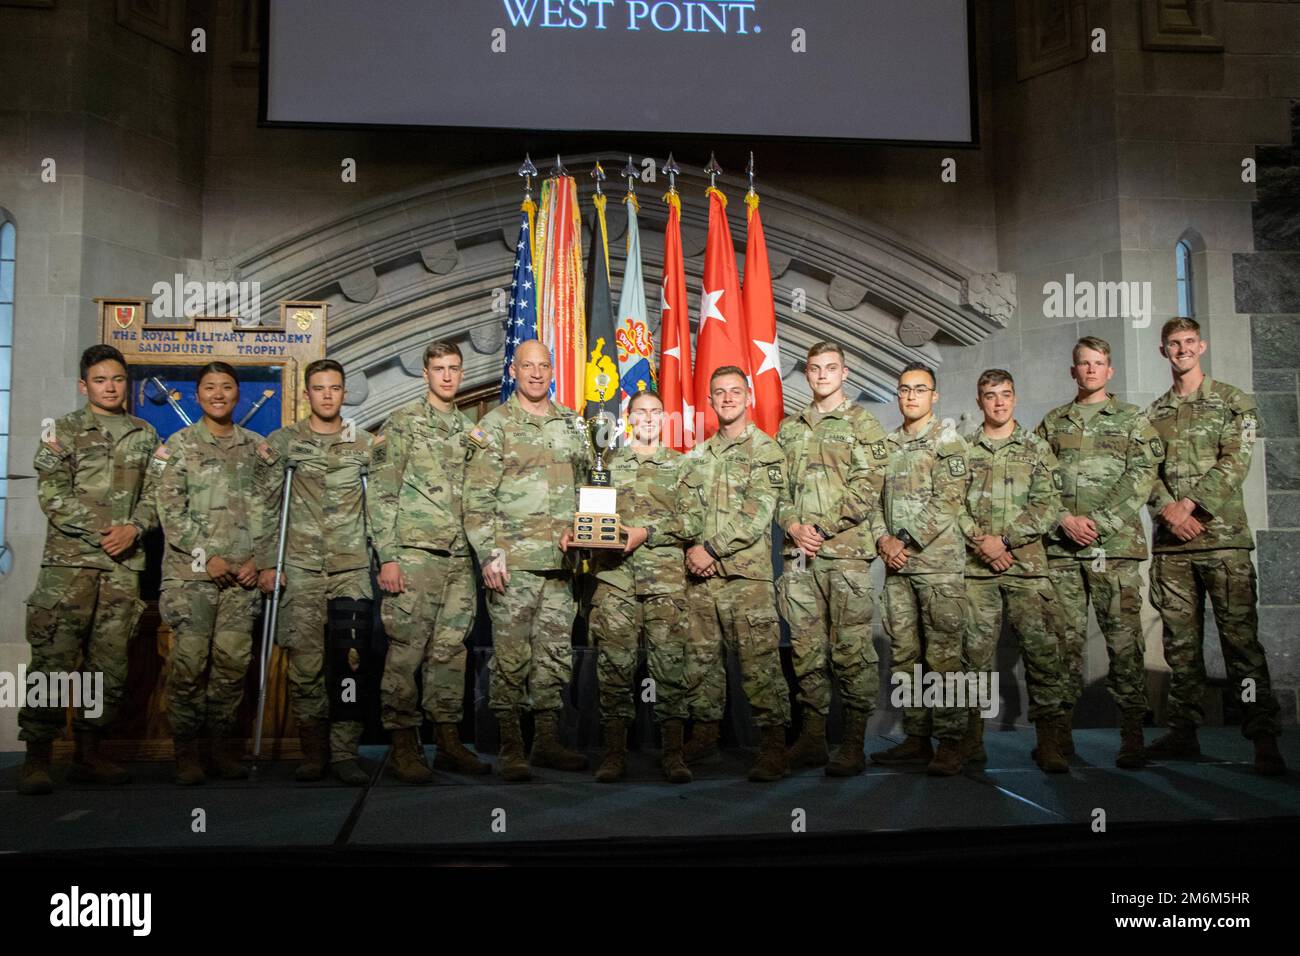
<point>521,318</point>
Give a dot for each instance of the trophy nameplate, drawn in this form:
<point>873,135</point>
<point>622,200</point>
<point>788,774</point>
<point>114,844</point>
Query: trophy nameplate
<point>595,524</point>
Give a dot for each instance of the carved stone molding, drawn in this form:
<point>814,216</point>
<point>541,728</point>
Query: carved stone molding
<point>1050,34</point>
<point>1182,25</point>
<point>993,294</point>
<point>162,21</point>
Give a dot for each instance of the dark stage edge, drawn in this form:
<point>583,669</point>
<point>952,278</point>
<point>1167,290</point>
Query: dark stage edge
<point>1216,807</point>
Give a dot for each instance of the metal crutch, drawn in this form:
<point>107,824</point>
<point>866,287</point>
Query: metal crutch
<point>271,609</point>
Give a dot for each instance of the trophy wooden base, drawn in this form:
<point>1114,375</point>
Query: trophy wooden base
<point>593,530</point>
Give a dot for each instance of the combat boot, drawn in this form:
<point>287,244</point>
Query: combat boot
<point>90,766</point>
<point>1130,756</point>
<point>1268,761</point>
<point>453,755</point>
<point>35,780</point>
<point>188,769</point>
<point>511,762</point>
<point>771,763</point>
<point>673,760</point>
<point>406,763</point>
<point>972,742</point>
<point>912,750</point>
<point>1048,754</point>
<point>315,740</point>
<point>703,744</point>
<point>548,751</point>
<point>1065,733</point>
<point>228,757</point>
<point>1178,743</point>
<point>947,760</point>
<point>613,763</point>
<point>810,749</point>
<point>849,759</point>
<point>350,772</point>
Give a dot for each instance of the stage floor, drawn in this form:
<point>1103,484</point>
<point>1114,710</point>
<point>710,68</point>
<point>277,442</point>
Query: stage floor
<point>1009,801</point>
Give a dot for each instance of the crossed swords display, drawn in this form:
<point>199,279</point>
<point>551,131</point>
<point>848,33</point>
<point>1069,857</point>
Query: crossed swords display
<point>172,397</point>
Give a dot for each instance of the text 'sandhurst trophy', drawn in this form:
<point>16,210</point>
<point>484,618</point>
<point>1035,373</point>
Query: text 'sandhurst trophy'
<point>595,525</point>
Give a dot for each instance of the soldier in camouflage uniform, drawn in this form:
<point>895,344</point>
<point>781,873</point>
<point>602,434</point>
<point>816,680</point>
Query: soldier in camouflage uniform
<point>527,458</point>
<point>212,516</point>
<point>96,470</point>
<point>425,570</point>
<point>326,560</point>
<point>1107,454</point>
<point>1011,505</point>
<point>1202,547</point>
<point>730,487</point>
<point>639,595</point>
<point>834,450</point>
<point>917,532</point>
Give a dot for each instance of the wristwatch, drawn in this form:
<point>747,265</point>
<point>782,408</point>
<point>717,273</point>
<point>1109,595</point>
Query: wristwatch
<point>1006,542</point>
<point>709,548</point>
<point>649,533</point>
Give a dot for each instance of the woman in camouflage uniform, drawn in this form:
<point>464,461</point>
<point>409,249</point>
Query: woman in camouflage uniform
<point>211,517</point>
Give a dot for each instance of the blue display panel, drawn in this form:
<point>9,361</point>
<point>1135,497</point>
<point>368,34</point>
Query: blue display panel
<point>151,385</point>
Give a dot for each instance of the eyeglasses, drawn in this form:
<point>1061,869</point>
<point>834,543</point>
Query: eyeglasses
<point>905,390</point>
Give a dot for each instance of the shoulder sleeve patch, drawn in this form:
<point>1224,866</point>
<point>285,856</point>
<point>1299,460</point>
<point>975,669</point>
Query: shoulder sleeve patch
<point>956,465</point>
<point>774,475</point>
<point>266,453</point>
<point>879,451</point>
<point>1057,481</point>
<point>379,450</point>
<point>1157,447</point>
<point>479,437</point>
<point>158,463</point>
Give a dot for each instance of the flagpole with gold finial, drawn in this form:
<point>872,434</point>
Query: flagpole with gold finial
<point>672,197</point>
<point>600,201</point>
<point>714,170</point>
<point>527,170</point>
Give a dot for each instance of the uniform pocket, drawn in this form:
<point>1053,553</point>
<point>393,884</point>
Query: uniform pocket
<point>946,609</point>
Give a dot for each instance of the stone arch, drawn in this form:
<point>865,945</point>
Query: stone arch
<point>422,264</point>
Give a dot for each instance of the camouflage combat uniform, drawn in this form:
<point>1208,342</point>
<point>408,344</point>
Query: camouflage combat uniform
<point>924,495</point>
<point>728,497</point>
<point>95,471</point>
<point>827,599</point>
<point>640,596</point>
<point>1107,463</point>
<point>208,506</point>
<point>415,509</point>
<point>1013,494</point>
<point>520,494</point>
<point>1208,437</point>
<point>326,556</point>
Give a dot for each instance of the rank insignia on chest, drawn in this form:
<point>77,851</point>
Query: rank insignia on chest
<point>956,466</point>
<point>774,474</point>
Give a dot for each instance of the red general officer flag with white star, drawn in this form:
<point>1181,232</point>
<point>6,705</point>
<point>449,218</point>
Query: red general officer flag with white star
<point>676,386</point>
<point>760,319</point>
<point>722,339</point>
